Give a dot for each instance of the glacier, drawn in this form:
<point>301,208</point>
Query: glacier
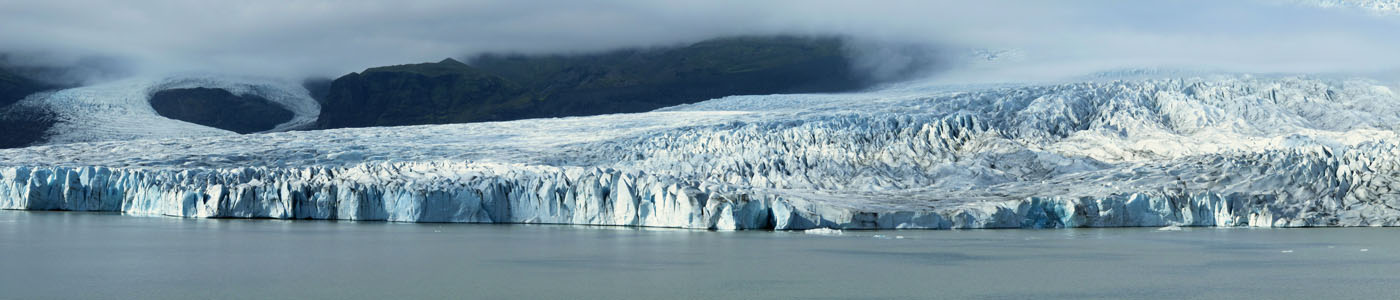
<point>121,110</point>
<point>1217,150</point>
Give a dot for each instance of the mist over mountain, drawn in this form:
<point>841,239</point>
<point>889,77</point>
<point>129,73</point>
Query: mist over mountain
<point>500,60</point>
<point>508,87</point>
<point>14,87</point>
<point>831,130</point>
<point>20,127</point>
<point>301,39</point>
<point>489,87</point>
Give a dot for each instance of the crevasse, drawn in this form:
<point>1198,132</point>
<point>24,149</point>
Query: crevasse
<point>1218,151</point>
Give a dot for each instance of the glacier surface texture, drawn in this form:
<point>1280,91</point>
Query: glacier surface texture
<point>1236,150</point>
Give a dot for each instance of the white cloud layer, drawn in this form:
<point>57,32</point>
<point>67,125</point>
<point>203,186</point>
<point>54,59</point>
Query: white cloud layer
<point>295,38</point>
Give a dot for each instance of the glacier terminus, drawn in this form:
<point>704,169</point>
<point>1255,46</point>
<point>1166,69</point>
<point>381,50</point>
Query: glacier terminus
<point>1208,150</point>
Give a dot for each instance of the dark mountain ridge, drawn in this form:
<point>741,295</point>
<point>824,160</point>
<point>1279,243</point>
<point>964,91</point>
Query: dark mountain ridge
<point>21,126</point>
<point>220,109</point>
<point>510,87</point>
<point>497,87</point>
<point>14,87</point>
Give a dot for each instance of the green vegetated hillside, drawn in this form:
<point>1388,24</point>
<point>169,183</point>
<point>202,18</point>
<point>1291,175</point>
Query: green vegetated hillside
<point>510,87</point>
<point>220,109</point>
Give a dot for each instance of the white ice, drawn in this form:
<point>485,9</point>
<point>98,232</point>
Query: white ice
<point>1226,150</point>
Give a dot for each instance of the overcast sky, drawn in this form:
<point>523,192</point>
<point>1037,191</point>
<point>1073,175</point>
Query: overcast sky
<point>292,38</point>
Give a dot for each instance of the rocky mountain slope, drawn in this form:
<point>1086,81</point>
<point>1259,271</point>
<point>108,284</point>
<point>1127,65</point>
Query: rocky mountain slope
<point>220,109</point>
<point>20,126</point>
<point>511,87</point>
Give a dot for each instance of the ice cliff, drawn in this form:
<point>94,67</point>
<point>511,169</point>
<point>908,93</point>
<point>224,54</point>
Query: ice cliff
<point>1237,150</point>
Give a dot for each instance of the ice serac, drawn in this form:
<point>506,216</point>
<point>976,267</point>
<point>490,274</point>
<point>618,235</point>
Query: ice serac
<point>1230,150</point>
<point>408,192</point>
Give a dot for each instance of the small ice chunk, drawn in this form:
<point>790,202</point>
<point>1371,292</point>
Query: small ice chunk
<point>823,231</point>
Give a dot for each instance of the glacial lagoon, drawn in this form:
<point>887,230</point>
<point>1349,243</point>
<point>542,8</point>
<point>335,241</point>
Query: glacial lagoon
<point>45,255</point>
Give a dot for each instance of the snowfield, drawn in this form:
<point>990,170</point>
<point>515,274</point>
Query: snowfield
<point>1228,150</point>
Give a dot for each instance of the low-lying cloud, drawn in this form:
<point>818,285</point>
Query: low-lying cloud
<point>302,38</point>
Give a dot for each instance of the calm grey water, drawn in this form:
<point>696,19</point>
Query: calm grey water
<point>86,255</point>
